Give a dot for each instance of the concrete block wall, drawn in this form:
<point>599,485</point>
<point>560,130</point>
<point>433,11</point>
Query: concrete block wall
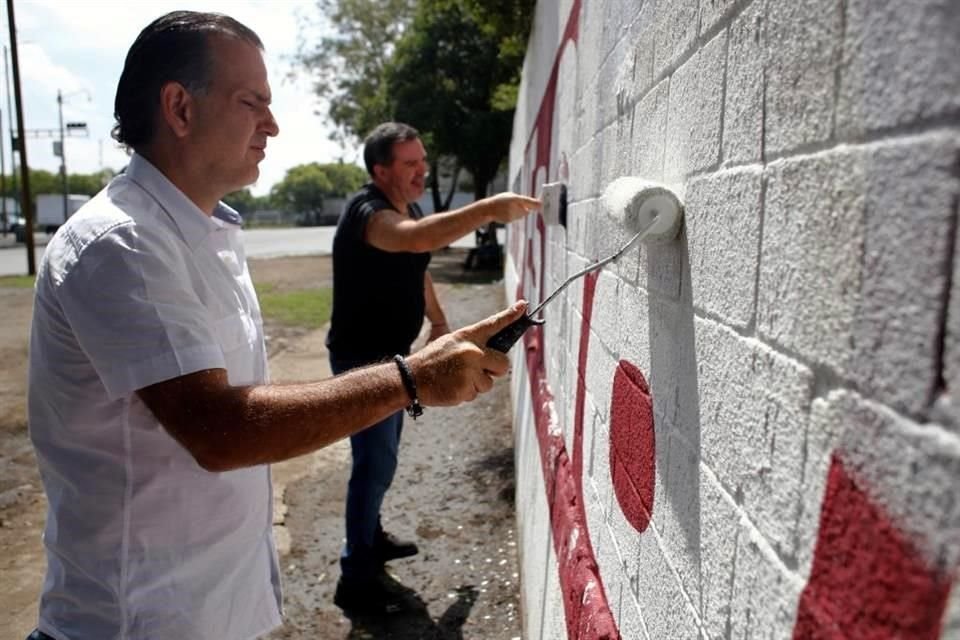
<point>752,430</point>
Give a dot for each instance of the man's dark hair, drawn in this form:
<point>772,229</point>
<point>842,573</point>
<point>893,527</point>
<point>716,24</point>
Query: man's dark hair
<point>378,146</point>
<point>173,48</point>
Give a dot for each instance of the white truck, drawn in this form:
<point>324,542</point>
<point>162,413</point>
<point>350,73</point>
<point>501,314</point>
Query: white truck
<point>50,209</point>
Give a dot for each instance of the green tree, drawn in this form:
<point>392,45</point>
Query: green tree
<point>243,202</point>
<point>344,178</point>
<point>42,181</point>
<point>347,66</point>
<point>305,186</point>
<point>451,68</point>
<point>88,183</point>
<point>455,74</point>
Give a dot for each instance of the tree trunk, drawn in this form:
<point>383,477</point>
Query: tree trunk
<point>441,203</point>
<point>435,183</point>
<point>453,187</point>
<point>488,234</point>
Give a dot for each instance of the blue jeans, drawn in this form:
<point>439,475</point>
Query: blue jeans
<point>374,463</point>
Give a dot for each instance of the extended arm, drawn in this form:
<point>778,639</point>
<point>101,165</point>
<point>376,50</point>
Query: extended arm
<point>438,321</point>
<point>391,231</point>
<point>227,427</point>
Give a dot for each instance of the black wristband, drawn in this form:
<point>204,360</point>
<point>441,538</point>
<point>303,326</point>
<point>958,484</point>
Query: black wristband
<point>414,410</point>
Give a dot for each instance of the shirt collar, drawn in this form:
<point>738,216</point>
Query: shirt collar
<point>193,224</point>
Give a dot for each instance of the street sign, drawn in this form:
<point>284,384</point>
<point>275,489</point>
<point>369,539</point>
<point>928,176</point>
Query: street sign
<point>58,148</point>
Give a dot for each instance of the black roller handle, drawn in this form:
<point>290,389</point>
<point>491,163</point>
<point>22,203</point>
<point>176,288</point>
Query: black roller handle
<point>504,339</point>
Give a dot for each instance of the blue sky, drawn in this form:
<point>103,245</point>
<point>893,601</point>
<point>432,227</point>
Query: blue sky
<point>78,47</point>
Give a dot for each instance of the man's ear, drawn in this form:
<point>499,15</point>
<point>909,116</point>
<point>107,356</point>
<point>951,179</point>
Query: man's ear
<point>176,108</point>
<point>379,171</point>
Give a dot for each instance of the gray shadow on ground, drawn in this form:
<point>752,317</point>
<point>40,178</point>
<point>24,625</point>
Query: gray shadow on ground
<point>416,623</point>
<point>448,266</point>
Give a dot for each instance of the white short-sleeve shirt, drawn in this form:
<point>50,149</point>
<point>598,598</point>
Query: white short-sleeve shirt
<point>138,287</point>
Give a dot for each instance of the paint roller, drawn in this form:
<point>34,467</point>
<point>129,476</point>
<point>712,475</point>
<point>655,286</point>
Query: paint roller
<point>650,211</point>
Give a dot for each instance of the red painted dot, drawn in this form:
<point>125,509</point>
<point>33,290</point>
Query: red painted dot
<point>632,445</point>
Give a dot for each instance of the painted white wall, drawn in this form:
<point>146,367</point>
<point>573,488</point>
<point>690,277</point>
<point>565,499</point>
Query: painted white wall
<point>809,312</point>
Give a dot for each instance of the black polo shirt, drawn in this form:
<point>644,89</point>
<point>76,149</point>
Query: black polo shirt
<point>378,300</point>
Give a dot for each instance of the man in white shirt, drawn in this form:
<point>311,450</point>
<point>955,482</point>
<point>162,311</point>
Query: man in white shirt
<point>150,407</point>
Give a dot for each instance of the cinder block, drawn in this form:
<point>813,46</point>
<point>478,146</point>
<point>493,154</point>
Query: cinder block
<point>565,401</point>
<point>591,49</point>
<point>854,263</point>
<point>949,401</point>
<point>717,11</point>
<point>615,95</point>
<point>588,122</point>
<point>553,614</point>
<point>601,366</point>
<point>565,111</point>
<point>908,227</point>
<point>909,471</point>
<point>641,38</point>
<point>630,621</point>
<point>664,269</point>
<point>597,461</point>
<point>667,610</point>
<point>754,410</point>
<point>580,216</point>
<point>812,248</point>
<point>823,437</point>
<point>650,133</point>
<point>675,24</point>
<point>899,64</point>
<point>626,536</point>
<point>586,184</point>
<point>743,111</point>
<point>634,321</point>
<point>619,75</point>
<point>618,16</point>
<point>723,232</point>
<point>615,158</point>
<point>673,370</point>
<point>696,111</point>
<point>538,561</point>
<point>564,12</point>
<point>605,321</point>
<point>574,294</point>
<point>677,512</point>
<point>765,595</point>
<point>610,564</point>
<point>719,531</point>
<point>802,53</point>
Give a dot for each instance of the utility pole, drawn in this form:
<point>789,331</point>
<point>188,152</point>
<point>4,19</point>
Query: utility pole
<point>13,150</point>
<point>63,156</point>
<point>3,181</point>
<point>24,167</point>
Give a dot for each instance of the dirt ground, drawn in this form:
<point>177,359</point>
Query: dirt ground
<point>453,492</point>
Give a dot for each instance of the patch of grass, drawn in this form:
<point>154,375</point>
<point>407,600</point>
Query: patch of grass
<point>17,282</point>
<point>307,308</point>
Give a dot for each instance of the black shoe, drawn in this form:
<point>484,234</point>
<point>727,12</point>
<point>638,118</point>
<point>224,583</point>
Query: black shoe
<point>389,547</point>
<point>378,595</point>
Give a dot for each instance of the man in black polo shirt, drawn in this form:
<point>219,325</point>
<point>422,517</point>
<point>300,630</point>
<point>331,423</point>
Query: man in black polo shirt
<point>381,292</point>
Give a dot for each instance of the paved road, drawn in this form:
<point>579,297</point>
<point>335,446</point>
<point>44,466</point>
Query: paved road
<point>260,243</point>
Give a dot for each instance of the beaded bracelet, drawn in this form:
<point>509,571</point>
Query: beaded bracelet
<point>414,409</point>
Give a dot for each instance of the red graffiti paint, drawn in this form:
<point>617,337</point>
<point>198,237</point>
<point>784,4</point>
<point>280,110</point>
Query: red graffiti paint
<point>632,445</point>
<point>588,616</point>
<point>867,580</point>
